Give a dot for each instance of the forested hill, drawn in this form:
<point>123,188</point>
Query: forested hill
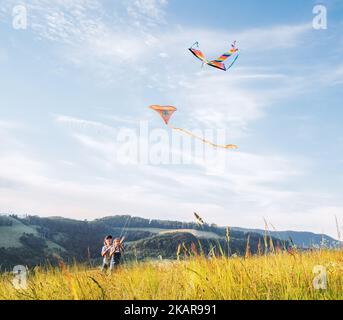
<point>33,240</point>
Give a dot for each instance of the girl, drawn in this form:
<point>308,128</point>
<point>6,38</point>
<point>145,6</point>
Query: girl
<point>117,251</point>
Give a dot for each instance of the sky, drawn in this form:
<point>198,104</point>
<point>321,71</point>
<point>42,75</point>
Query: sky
<point>75,88</point>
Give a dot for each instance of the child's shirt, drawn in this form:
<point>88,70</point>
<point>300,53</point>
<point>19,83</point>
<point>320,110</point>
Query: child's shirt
<point>107,251</point>
<point>118,248</point>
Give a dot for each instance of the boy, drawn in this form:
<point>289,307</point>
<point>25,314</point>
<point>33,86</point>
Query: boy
<point>116,253</point>
<point>106,253</point>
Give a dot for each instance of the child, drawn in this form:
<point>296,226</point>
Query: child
<point>106,253</point>
<point>117,251</point>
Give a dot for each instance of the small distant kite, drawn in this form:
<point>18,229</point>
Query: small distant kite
<point>220,63</point>
<point>166,112</point>
<point>199,220</point>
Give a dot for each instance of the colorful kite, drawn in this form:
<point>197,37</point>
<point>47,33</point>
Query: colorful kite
<point>166,112</point>
<point>221,62</point>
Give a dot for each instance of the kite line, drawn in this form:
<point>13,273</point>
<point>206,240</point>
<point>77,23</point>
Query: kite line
<point>166,112</point>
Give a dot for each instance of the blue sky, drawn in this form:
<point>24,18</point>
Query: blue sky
<point>84,70</point>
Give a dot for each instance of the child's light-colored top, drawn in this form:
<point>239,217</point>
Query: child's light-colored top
<point>106,253</point>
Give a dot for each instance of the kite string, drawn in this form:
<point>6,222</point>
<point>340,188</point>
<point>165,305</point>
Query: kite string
<point>230,146</point>
<point>124,229</point>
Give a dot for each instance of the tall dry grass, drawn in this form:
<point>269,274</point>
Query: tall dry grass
<point>276,276</point>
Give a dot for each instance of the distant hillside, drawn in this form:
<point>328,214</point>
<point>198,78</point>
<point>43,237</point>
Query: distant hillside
<point>301,239</point>
<point>165,245</point>
<point>34,240</point>
<point>12,230</point>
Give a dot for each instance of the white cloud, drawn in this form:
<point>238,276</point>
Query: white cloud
<point>150,11</point>
<point>82,124</point>
<point>282,36</point>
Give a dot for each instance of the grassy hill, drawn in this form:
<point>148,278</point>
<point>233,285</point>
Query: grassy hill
<point>13,231</point>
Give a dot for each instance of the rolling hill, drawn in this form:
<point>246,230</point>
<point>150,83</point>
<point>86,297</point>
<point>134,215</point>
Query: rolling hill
<point>33,240</point>
<point>300,238</point>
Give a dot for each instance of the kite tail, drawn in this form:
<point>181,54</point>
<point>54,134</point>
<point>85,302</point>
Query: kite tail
<point>228,146</point>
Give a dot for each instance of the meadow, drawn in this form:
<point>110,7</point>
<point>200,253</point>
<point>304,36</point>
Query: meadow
<point>279,276</point>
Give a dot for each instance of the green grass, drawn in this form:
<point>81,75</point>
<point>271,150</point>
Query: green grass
<point>279,276</point>
<point>10,235</point>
